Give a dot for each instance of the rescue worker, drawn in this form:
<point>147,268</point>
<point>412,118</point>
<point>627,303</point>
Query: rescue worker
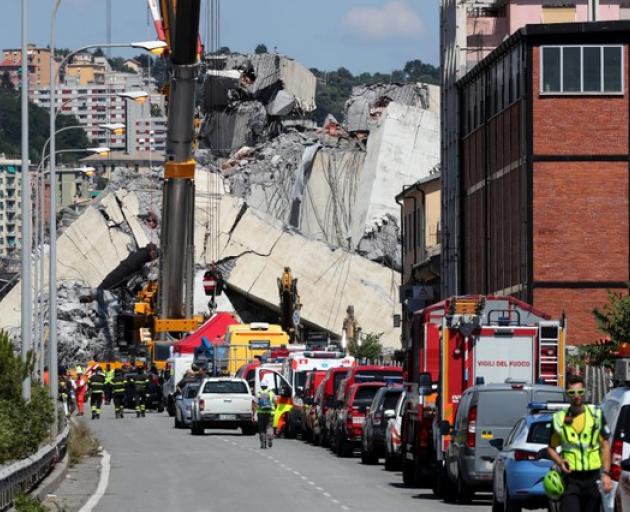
<point>119,385</point>
<point>582,434</point>
<point>81,390</point>
<point>265,404</point>
<point>140,383</point>
<point>96,387</point>
<point>109,375</point>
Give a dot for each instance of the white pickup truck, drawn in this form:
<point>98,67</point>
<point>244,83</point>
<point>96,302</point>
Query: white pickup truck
<point>223,403</point>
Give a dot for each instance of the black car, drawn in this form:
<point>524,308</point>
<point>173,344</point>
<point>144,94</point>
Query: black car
<point>373,442</point>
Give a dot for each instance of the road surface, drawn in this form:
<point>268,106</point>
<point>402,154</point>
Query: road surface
<point>156,467</point>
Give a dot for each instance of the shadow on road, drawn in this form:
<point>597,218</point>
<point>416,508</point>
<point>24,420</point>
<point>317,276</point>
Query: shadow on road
<point>479,501</point>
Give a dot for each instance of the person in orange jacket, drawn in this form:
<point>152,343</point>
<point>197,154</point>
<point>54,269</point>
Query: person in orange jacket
<point>81,392</point>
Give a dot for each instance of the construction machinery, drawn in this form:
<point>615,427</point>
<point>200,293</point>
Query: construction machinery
<point>290,306</point>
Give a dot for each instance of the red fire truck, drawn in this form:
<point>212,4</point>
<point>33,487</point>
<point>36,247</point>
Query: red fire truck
<point>460,342</point>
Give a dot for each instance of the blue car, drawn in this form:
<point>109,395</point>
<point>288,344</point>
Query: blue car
<point>519,469</point>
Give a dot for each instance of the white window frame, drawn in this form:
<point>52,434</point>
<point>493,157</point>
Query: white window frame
<point>581,92</point>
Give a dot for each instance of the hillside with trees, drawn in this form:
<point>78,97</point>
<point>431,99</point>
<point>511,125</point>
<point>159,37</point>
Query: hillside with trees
<point>39,129</point>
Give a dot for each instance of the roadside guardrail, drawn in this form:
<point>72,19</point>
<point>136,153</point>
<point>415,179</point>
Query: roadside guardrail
<point>23,475</point>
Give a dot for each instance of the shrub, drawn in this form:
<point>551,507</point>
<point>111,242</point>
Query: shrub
<point>81,442</point>
<point>23,425</point>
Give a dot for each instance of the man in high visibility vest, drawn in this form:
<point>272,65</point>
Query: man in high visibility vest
<point>109,376</point>
<point>140,384</point>
<point>582,435</point>
<point>265,404</point>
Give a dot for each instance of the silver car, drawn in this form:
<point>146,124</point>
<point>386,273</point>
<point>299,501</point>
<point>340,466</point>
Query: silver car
<point>392,435</point>
<point>183,404</point>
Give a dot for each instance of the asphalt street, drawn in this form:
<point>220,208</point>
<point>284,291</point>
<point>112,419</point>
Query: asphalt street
<point>156,467</point>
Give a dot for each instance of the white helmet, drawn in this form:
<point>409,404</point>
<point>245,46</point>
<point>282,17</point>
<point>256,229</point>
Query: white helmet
<point>264,385</point>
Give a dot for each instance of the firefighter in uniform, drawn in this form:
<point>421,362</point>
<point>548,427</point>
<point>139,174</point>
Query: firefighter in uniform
<point>96,385</point>
<point>265,402</point>
<point>109,375</point>
<point>140,383</point>
<point>582,434</point>
<point>119,386</point>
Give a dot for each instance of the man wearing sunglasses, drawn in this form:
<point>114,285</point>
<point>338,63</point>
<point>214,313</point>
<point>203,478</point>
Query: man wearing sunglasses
<point>582,434</point>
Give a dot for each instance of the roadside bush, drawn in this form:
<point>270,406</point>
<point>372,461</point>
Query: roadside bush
<point>28,504</point>
<point>23,425</point>
<point>81,442</point>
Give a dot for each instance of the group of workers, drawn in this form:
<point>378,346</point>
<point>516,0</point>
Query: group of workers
<point>122,386</point>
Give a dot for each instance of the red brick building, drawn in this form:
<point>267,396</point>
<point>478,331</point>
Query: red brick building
<point>545,168</point>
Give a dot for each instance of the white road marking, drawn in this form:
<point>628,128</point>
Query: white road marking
<point>336,502</point>
<point>310,482</point>
<point>327,494</point>
<point>103,482</point>
<point>303,477</point>
<point>296,473</point>
<point>343,507</point>
<point>319,489</point>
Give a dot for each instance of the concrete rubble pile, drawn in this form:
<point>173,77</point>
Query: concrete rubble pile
<point>112,239</point>
<point>337,184</point>
<point>247,99</point>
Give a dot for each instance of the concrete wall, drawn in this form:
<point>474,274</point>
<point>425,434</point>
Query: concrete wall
<point>404,147</point>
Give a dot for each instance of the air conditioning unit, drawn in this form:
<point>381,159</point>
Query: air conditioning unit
<point>622,370</point>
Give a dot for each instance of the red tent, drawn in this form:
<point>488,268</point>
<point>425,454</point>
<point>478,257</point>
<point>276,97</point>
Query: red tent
<point>213,330</point>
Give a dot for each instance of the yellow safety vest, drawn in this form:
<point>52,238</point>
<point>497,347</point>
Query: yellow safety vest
<point>581,451</point>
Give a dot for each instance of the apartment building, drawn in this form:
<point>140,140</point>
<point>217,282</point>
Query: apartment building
<point>38,65</point>
<point>95,104</point>
<point>10,205</point>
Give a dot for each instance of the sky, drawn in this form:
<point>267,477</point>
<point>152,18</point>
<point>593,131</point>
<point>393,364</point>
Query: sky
<point>361,35</point>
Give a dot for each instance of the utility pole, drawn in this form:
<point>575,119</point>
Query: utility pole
<point>27,304</point>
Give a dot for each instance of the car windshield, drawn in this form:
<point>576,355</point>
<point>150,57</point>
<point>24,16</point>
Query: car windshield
<point>191,391</point>
<point>225,387</point>
<point>539,432</point>
<point>391,399</point>
<point>300,378</point>
<point>622,428</point>
<point>501,408</point>
<point>378,375</point>
<point>364,396</point>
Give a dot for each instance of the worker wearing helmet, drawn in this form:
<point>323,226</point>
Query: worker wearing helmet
<point>96,386</point>
<point>119,385</point>
<point>582,434</point>
<point>265,404</point>
<point>140,384</point>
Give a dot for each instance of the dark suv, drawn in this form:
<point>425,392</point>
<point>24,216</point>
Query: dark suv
<point>348,429</point>
<point>380,412</point>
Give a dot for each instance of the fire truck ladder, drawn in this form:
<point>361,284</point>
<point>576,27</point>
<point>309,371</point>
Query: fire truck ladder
<point>549,352</point>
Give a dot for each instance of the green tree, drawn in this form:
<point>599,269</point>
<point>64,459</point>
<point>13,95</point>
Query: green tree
<point>5,82</point>
<point>614,318</point>
<point>370,347</point>
<point>10,128</point>
<point>23,425</point>
<point>99,52</point>
<point>260,49</point>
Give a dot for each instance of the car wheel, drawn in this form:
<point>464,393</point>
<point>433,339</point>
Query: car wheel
<point>178,424</point>
<point>496,506</point>
<point>170,406</point>
<point>408,472</point>
<point>509,505</point>
<point>196,430</point>
<point>390,463</point>
<point>465,493</point>
<point>248,430</point>
<point>368,457</point>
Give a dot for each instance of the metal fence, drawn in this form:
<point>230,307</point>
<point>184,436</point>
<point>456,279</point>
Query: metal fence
<point>22,476</point>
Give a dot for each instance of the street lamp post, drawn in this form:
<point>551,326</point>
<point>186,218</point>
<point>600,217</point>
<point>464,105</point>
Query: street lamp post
<point>27,310</point>
<point>151,46</point>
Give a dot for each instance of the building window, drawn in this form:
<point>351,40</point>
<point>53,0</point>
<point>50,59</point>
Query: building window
<point>581,70</point>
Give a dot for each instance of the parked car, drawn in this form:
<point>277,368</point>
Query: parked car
<point>392,436</point>
<point>348,429</point>
<point>378,415</point>
<point>616,409</point>
<point>317,416</point>
<point>522,463</point>
<point>622,490</point>
<point>313,380</point>
<point>361,374</point>
<point>223,403</point>
<point>326,410</point>
<point>485,416</point>
<point>184,404</point>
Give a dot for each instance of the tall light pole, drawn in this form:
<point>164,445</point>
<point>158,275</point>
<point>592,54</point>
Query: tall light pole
<point>151,46</point>
<point>27,309</point>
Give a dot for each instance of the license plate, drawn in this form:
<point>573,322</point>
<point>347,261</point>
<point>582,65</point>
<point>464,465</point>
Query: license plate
<point>227,417</point>
<point>358,421</point>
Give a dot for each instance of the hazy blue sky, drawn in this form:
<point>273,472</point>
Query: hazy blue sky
<point>362,35</point>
